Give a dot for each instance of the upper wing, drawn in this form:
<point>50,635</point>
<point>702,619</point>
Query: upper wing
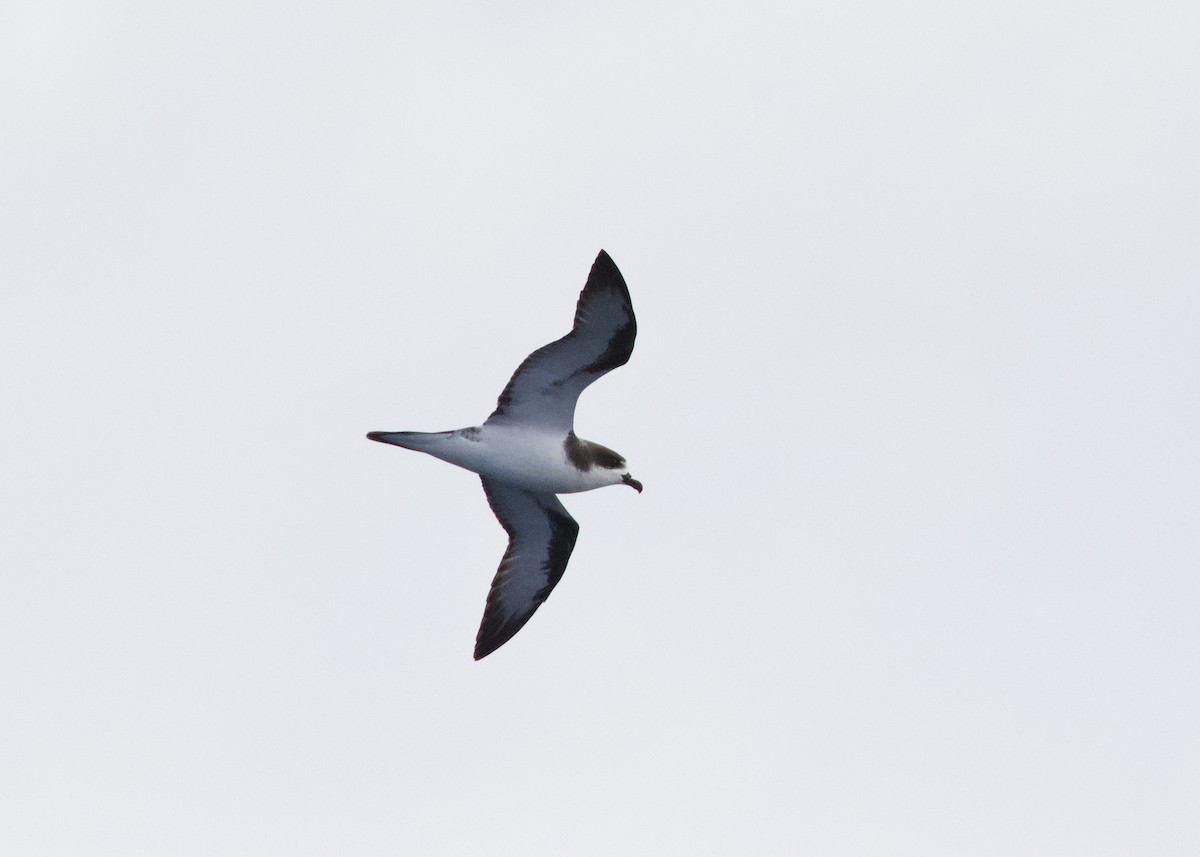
<point>541,536</point>
<point>545,387</point>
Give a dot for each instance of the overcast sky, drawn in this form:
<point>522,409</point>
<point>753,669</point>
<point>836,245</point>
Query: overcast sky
<point>914,399</point>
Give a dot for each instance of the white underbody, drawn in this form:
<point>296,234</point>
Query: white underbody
<point>518,455</point>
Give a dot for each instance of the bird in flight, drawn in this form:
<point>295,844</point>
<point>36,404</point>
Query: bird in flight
<point>527,452</point>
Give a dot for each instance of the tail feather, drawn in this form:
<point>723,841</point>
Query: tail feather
<point>409,439</point>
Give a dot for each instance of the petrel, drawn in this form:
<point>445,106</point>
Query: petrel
<point>526,452</point>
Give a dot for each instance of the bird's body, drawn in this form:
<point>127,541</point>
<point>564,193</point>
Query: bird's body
<point>527,452</point>
<point>530,459</point>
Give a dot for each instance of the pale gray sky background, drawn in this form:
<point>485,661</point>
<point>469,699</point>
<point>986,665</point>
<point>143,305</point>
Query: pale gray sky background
<point>915,402</point>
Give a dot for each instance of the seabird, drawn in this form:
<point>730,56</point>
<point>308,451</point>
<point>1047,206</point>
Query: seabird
<point>526,452</point>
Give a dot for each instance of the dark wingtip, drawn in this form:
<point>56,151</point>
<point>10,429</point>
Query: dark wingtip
<point>493,635</point>
<point>483,648</point>
<point>603,260</point>
<point>606,275</point>
<point>376,435</point>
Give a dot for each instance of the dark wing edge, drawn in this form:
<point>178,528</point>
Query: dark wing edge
<point>603,280</point>
<point>530,561</point>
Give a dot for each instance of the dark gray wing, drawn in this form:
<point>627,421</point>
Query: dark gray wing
<point>545,387</point>
<point>541,536</point>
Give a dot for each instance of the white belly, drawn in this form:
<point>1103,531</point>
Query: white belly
<point>531,460</point>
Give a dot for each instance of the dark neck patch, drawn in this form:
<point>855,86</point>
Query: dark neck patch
<point>584,455</point>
